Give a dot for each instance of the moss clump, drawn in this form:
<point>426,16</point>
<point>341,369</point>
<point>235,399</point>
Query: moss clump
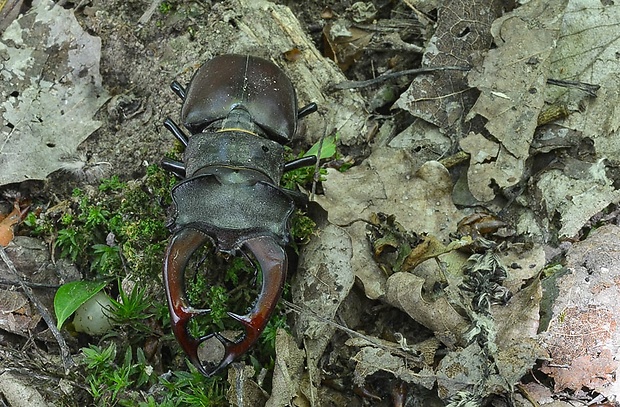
<point>113,230</point>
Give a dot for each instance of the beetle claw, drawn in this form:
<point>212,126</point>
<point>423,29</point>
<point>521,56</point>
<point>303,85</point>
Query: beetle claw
<point>273,262</point>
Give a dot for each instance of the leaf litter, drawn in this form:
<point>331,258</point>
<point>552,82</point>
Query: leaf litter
<point>490,348</point>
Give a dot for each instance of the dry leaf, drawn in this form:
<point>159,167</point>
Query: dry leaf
<point>432,248</point>
<point>48,99</point>
<point>404,291</point>
<point>287,372</point>
<point>18,391</point>
<point>512,83</point>
<point>6,225</point>
<point>517,326</point>
<point>344,44</point>
<point>587,51</point>
<point>461,370</point>
<point>16,315</point>
<point>461,35</point>
<point>323,280</point>
<point>243,390</point>
<point>370,360</point>
<point>575,199</point>
<point>583,334</point>
<point>389,181</point>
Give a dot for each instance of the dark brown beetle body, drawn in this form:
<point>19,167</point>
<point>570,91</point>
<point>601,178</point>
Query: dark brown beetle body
<point>238,109</point>
<point>265,92</point>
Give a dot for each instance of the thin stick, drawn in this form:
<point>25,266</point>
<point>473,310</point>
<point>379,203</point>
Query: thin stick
<point>388,76</point>
<point>149,12</point>
<point>392,349</point>
<point>589,88</point>
<point>6,282</point>
<point>64,349</point>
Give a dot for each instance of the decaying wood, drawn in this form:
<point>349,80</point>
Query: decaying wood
<point>273,29</point>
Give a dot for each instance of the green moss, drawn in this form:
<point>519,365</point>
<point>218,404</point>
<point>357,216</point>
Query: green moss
<point>113,230</point>
<point>165,7</point>
<point>127,379</point>
<point>302,226</point>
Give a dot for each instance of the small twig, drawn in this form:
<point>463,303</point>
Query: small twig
<point>421,16</point>
<point>7,282</point>
<point>558,366</point>
<point>527,395</point>
<point>64,349</point>
<point>392,349</point>
<point>588,88</point>
<point>392,75</point>
<point>149,12</point>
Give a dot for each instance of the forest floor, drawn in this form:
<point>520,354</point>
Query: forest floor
<point>463,242</point>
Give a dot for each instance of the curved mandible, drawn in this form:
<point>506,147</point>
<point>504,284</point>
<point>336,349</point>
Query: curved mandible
<point>181,247</point>
<point>273,262</point>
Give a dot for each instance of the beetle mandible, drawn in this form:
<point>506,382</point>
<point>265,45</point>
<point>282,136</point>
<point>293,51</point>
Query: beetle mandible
<point>240,110</point>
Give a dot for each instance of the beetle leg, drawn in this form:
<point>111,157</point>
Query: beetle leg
<point>178,89</point>
<point>176,131</point>
<point>300,162</point>
<point>173,166</point>
<point>306,110</point>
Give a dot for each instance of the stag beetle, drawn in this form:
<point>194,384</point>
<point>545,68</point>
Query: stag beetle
<point>240,110</point>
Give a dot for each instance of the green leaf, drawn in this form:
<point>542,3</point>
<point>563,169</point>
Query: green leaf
<point>71,296</point>
<point>328,149</point>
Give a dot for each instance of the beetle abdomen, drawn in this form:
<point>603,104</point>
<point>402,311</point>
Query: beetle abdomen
<point>232,212</point>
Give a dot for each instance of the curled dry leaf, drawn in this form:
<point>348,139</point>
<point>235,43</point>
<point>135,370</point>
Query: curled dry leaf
<point>7,224</point>
<point>430,248</point>
<point>404,290</point>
